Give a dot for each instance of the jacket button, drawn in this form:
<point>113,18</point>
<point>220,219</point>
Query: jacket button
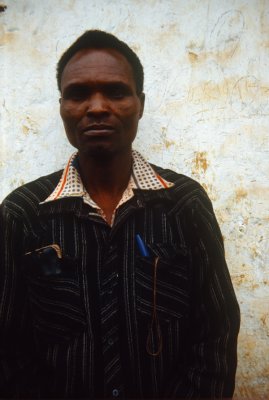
<point>139,203</point>
<point>115,393</point>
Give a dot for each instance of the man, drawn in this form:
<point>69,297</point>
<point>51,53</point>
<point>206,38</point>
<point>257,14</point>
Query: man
<point>113,277</point>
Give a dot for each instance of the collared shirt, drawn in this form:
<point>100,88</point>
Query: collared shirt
<point>143,176</point>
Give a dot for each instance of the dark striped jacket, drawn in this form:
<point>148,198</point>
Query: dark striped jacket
<point>87,325</point>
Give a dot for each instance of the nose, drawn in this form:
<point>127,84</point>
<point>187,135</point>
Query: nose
<point>97,105</point>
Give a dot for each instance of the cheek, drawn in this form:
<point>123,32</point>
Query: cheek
<point>70,113</point>
<point>130,113</point>
<point>70,123</point>
<point>65,114</point>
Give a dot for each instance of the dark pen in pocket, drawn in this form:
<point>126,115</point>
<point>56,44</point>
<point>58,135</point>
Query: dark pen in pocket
<point>44,261</point>
<point>143,250</point>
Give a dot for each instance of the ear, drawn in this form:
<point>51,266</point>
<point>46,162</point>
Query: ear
<point>142,103</point>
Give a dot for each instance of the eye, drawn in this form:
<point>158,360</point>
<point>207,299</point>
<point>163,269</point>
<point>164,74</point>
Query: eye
<point>118,91</point>
<point>117,94</point>
<point>75,93</point>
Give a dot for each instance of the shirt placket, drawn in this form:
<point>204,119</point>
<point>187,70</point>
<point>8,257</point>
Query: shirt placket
<point>110,321</point>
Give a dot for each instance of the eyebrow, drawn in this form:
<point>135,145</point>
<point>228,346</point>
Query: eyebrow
<point>105,85</point>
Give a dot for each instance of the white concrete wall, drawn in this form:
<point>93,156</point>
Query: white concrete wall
<point>207,88</point>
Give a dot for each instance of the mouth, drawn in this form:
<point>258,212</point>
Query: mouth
<point>98,130</point>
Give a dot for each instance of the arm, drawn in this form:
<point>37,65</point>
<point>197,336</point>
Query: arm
<point>16,342</point>
<point>212,358</point>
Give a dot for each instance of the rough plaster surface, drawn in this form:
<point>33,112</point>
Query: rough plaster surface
<point>207,86</point>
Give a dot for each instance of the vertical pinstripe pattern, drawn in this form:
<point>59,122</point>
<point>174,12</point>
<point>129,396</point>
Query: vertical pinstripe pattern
<point>82,332</point>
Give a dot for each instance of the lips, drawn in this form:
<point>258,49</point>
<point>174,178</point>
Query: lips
<point>98,130</point>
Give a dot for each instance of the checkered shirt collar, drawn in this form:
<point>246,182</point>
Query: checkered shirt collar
<point>143,177</point>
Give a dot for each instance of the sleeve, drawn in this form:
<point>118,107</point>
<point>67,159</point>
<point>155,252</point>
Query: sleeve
<point>16,341</point>
<point>210,369</point>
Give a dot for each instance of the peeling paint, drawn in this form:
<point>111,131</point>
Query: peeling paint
<point>200,162</point>
<point>2,8</point>
<point>240,194</point>
<point>29,126</point>
<point>193,57</point>
<point>6,37</point>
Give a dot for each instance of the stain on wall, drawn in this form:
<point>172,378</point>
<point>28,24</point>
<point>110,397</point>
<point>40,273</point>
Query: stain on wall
<point>200,163</point>
<point>206,115</point>
<point>2,8</point>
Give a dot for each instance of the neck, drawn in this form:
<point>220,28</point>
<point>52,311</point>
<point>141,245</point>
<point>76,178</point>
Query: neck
<point>108,176</point>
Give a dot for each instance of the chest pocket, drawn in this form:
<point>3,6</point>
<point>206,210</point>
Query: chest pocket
<point>54,296</point>
<point>164,275</point>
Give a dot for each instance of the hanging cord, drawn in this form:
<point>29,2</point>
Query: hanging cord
<point>154,318</point>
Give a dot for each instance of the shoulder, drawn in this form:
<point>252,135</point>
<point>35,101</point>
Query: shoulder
<point>191,204</point>
<point>176,178</point>
<point>186,190</point>
<point>26,198</point>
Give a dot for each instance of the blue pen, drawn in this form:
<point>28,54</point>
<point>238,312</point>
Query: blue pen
<point>142,247</point>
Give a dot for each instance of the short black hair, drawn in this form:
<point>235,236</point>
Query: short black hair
<point>97,39</point>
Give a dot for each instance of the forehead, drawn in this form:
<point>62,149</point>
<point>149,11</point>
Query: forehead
<point>97,64</point>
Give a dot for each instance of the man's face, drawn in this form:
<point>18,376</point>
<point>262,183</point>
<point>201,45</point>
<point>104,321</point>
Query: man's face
<point>99,107</point>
